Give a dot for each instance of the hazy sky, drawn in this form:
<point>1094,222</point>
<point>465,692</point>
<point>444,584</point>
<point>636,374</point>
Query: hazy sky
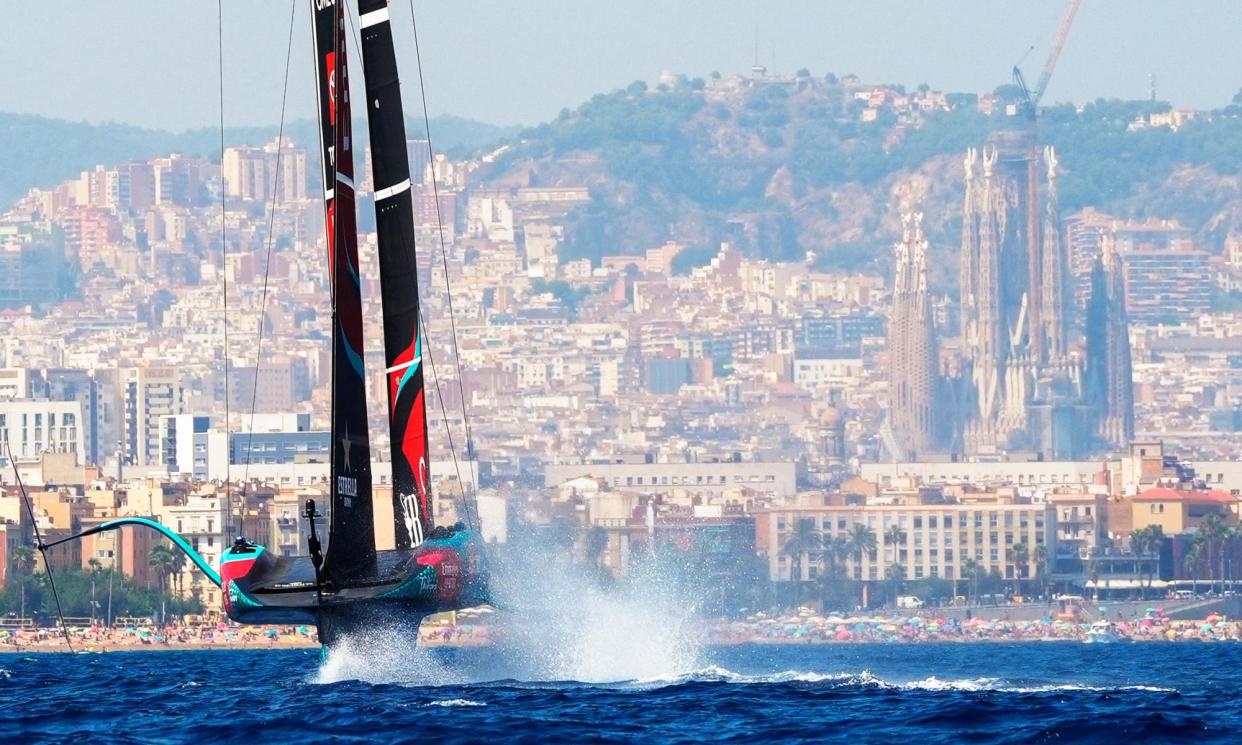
<point>153,62</point>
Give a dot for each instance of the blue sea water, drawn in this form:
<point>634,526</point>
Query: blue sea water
<point>948,693</point>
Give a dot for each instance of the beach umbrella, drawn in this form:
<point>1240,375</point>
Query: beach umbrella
<point>843,635</point>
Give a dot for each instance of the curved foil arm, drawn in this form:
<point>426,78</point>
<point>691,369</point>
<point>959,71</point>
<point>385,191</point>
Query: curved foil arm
<point>177,540</point>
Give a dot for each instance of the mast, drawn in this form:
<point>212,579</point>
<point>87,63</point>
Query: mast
<point>394,219</point>
<point>350,555</point>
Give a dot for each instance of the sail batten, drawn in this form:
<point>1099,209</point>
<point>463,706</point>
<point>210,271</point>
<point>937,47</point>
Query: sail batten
<point>394,218</point>
<point>350,558</point>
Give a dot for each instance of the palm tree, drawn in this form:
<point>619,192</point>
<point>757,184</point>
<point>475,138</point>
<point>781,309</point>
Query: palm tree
<point>862,540</point>
<point>1192,558</point>
<point>164,561</point>
<point>1039,558</point>
<point>1020,555</point>
<point>23,559</point>
<point>1145,542</point>
<point>95,565</point>
<point>804,540</point>
<point>970,570</point>
<point>895,537</point>
<point>895,576</point>
<point>834,550</point>
<point>1217,534</point>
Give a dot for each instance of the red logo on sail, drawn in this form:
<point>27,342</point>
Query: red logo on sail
<point>330,61</point>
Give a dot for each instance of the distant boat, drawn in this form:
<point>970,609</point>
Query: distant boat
<point>1102,632</point>
<point>349,585</point>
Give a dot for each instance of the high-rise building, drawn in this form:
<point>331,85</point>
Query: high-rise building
<point>252,173</point>
<point>1166,278</point>
<point>913,359</point>
<point>147,395</point>
<point>31,427</point>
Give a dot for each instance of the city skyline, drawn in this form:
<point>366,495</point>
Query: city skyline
<point>480,64</point>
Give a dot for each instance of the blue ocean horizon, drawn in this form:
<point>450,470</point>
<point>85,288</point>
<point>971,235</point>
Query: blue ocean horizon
<point>937,693</point>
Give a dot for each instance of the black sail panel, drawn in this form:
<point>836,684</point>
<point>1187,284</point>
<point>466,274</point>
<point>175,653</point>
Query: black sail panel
<point>394,217</point>
<point>350,555</point>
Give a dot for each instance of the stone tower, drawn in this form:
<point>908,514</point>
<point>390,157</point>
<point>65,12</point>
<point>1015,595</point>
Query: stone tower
<point>913,357</point>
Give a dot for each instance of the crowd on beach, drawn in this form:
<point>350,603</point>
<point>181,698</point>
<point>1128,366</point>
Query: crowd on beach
<point>805,626</point>
<point>220,635</point>
<point>103,638</point>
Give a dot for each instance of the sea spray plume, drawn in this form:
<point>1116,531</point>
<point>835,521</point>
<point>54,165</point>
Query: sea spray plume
<point>387,653</point>
<point>570,620</point>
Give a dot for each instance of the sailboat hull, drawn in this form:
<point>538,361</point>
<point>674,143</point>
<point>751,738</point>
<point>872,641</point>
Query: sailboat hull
<point>441,574</point>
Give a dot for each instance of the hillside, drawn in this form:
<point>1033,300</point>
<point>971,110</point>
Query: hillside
<point>43,152</point>
<point>784,167</point>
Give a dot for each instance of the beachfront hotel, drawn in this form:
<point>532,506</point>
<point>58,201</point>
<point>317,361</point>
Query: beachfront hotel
<point>939,536</point>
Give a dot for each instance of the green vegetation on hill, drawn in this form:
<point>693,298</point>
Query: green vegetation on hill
<point>780,168</point>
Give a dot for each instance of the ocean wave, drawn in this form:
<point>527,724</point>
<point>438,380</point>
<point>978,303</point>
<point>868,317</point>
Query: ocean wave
<point>455,702</point>
<point>867,679</point>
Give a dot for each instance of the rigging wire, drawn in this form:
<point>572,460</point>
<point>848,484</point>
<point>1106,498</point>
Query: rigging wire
<point>267,263</point>
<point>448,289</point>
<point>34,523</point>
<point>224,264</point>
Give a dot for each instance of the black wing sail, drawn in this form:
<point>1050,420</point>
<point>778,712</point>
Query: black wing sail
<point>394,218</point>
<point>350,555</point>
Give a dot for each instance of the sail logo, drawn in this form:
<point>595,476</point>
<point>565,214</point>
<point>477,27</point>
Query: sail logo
<point>347,485</point>
<point>330,63</point>
<point>324,4</point>
<point>409,513</point>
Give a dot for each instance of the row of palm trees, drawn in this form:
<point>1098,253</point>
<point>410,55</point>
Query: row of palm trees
<point>166,562</point>
<point>806,541</point>
<point>1211,542</point>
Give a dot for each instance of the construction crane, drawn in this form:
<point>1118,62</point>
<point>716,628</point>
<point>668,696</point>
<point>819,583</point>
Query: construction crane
<point>1030,98</point>
<point>1028,108</point>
